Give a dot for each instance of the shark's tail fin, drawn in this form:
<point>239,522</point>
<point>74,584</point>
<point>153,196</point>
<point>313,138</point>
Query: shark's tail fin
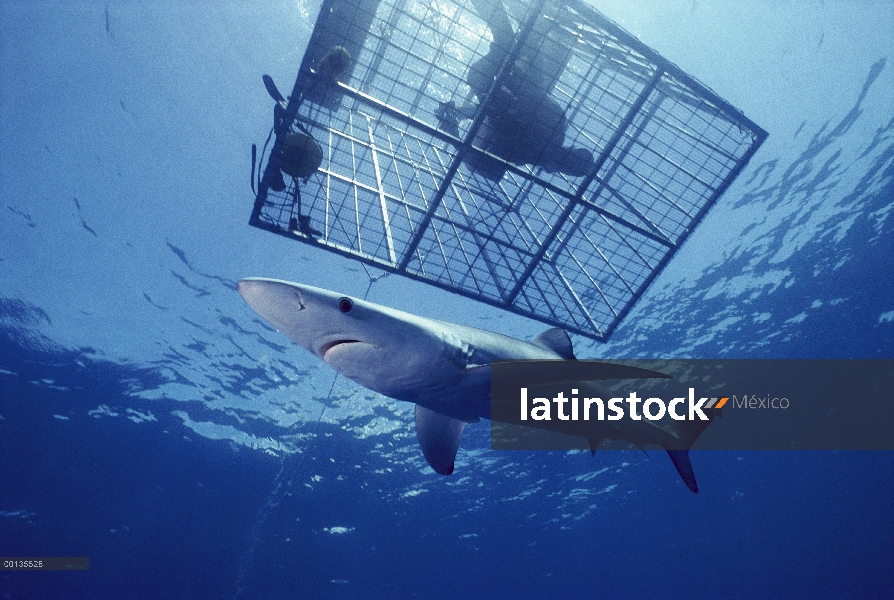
<point>684,468</point>
<point>686,432</point>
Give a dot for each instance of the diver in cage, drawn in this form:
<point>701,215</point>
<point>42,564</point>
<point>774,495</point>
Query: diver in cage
<point>300,158</point>
<point>301,155</point>
<point>522,123</point>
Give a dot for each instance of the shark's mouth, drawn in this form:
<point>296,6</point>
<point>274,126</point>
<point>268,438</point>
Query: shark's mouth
<point>328,346</point>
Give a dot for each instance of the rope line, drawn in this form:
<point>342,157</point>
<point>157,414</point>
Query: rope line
<point>282,488</point>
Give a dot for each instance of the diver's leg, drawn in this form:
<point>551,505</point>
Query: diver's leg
<point>302,223</point>
<point>293,222</point>
<point>577,162</point>
<point>494,14</point>
<point>483,71</point>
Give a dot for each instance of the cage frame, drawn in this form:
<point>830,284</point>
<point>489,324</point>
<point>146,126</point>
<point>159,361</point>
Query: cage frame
<point>581,199</point>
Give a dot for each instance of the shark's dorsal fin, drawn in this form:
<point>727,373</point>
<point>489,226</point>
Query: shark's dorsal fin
<point>556,340</point>
<point>438,437</point>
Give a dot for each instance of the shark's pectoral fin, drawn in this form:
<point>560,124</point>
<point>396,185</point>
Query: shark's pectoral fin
<point>439,437</point>
<point>684,468</point>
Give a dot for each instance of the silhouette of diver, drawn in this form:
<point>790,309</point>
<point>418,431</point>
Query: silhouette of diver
<point>300,154</point>
<point>522,123</point>
<point>300,157</point>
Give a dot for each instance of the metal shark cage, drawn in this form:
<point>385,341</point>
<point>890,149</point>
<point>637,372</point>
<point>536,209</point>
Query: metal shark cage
<point>535,157</point>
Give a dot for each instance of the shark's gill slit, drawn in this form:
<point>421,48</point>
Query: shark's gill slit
<point>300,301</point>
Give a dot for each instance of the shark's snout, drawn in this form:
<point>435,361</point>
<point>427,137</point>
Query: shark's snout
<point>264,292</point>
<point>280,303</point>
<point>323,322</point>
<point>364,342</point>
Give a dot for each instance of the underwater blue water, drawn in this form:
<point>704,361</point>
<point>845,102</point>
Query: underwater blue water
<point>151,421</point>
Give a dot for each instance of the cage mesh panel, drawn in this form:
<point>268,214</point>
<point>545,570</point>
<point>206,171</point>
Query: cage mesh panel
<point>571,249</point>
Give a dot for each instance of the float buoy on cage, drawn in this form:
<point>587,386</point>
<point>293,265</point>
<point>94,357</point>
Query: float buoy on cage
<point>301,156</point>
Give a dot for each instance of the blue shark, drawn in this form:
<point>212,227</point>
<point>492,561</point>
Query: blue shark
<point>443,368</point>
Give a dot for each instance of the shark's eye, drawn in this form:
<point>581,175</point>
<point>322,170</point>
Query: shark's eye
<point>345,305</point>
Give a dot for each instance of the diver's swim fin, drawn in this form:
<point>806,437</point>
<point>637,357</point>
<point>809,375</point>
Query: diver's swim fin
<point>271,89</point>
